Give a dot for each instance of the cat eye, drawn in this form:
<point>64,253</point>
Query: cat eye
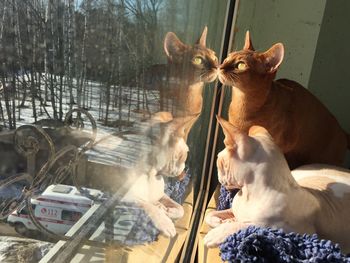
<point>241,65</point>
<point>197,60</point>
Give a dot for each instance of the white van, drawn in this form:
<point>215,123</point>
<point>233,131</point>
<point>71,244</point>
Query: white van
<point>58,208</point>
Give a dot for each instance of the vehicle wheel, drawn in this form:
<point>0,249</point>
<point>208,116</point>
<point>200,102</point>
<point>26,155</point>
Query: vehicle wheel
<point>21,229</point>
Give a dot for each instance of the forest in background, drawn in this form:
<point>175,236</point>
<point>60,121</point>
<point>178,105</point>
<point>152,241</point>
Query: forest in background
<point>50,50</point>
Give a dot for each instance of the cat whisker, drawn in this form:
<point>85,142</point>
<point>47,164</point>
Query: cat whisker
<point>202,75</point>
<point>231,77</point>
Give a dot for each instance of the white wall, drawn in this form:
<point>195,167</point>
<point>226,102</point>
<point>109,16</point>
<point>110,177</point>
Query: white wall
<point>294,23</point>
<point>316,36</point>
<point>330,75</point>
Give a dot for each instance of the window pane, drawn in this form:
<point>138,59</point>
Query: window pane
<point>105,107</point>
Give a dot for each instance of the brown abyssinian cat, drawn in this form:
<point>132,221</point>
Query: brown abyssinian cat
<point>188,68</point>
<point>300,124</point>
<point>181,80</point>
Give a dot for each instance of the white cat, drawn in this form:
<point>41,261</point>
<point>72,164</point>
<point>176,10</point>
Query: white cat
<point>167,157</point>
<point>311,199</point>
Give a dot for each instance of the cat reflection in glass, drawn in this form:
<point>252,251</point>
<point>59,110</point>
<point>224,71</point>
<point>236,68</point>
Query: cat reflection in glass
<point>189,66</point>
<point>166,157</point>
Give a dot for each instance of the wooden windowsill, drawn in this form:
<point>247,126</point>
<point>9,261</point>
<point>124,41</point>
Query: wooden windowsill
<point>208,255</point>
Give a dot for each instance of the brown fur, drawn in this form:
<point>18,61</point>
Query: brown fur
<point>300,124</point>
<point>189,77</point>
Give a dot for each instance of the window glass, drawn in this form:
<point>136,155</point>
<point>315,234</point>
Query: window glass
<point>24,210</point>
<point>71,215</point>
<point>110,99</point>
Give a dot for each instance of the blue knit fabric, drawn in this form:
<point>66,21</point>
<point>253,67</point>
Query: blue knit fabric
<point>175,189</point>
<point>225,198</point>
<point>256,244</point>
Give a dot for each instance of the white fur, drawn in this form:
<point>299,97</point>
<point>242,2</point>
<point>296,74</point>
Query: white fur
<point>147,183</point>
<point>270,196</point>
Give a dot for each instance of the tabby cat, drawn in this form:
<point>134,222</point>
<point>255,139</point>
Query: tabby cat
<point>300,124</point>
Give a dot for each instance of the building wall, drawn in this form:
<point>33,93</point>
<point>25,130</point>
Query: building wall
<point>317,44</point>
<point>294,23</point>
<point>330,74</point>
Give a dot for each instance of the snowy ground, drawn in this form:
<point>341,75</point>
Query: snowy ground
<point>111,149</point>
<point>15,249</point>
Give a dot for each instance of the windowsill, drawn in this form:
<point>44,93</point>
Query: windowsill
<point>162,250</point>
<point>210,255</point>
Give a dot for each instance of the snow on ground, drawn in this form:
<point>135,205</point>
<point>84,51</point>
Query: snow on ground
<point>112,149</point>
<point>15,249</point>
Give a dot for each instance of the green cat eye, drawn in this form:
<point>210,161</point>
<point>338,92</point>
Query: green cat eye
<point>241,65</point>
<point>197,60</point>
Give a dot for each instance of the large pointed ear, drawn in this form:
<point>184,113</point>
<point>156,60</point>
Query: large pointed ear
<point>236,140</point>
<point>248,42</point>
<point>203,38</point>
<point>274,57</point>
<point>229,132</point>
<point>182,125</point>
<point>173,45</point>
<point>258,130</point>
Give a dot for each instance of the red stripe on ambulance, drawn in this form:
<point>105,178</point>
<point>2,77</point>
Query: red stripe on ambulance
<point>62,202</point>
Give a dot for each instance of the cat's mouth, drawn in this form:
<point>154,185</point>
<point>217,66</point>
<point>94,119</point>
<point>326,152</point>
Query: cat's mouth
<point>222,77</point>
<point>209,77</point>
<point>225,74</point>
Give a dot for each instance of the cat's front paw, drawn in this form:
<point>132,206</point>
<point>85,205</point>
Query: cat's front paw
<point>217,235</point>
<point>175,212</point>
<point>164,224</point>
<point>212,219</point>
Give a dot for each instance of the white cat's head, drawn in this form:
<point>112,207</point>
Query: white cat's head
<point>170,152</point>
<point>247,157</point>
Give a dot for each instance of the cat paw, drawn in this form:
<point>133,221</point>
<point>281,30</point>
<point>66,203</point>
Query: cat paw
<point>217,235</point>
<point>164,224</point>
<point>175,212</point>
<point>212,220</point>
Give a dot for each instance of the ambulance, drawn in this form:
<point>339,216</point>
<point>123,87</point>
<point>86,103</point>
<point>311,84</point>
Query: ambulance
<point>58,208</point>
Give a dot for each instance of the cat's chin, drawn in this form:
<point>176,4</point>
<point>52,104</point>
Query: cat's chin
<point>209,77</point>
<point>224,81</point>
<point>231,187</point>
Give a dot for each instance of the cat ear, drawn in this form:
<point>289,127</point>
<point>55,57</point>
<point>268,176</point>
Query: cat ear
<point>258,130</point>
<point>173,45</point>
<point>203,39</point>
<point>182,125</point>
<point>235,140</point>
<point>229,132</point>
<point>274,57</point>
<point>248,42</point>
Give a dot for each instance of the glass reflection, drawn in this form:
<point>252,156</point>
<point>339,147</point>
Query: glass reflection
<point>100,97</point>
